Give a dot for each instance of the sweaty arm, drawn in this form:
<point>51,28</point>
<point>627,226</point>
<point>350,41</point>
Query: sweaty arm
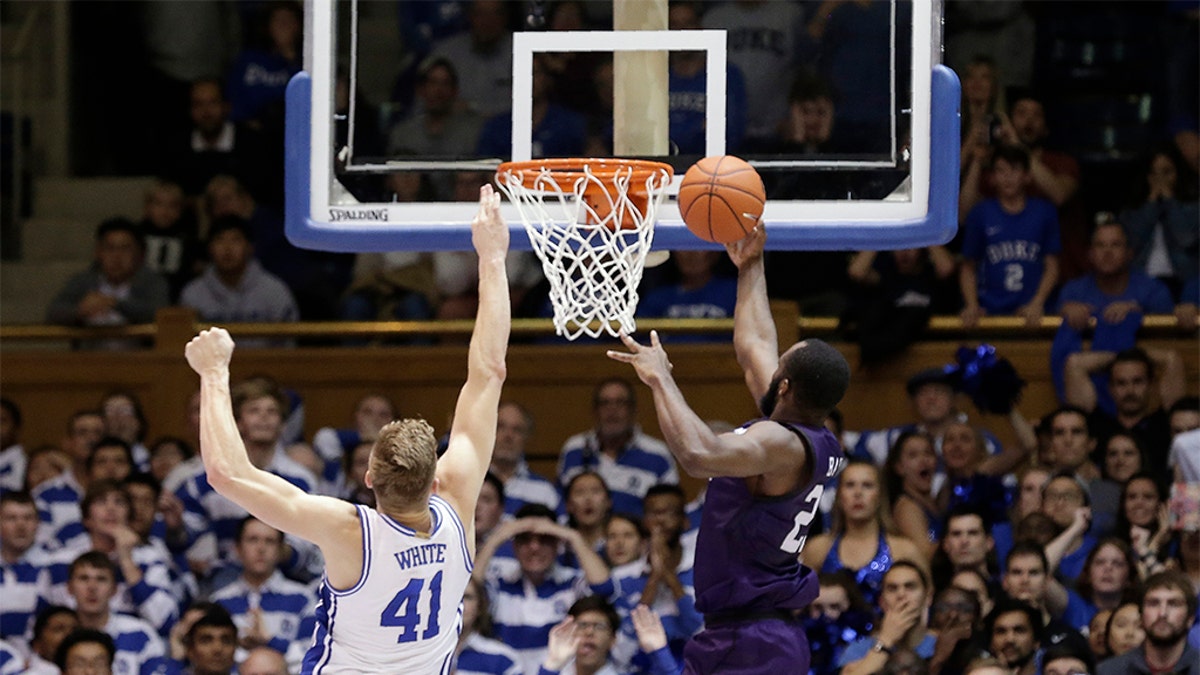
<point>461,469</point>
<point>330,523</point>
<point>754,339</point>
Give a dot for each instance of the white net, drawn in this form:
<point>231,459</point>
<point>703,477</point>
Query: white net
<point>593,243</point>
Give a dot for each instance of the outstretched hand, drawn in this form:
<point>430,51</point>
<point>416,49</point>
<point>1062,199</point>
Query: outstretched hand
<point>749,248</point>
<point>650,632</point>
<point>564,640</point>
<point>489,232</point>
<point>210,350</point>
<point>650,361</point>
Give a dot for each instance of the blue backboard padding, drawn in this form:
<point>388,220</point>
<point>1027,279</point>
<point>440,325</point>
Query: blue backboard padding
<point>938,226</point>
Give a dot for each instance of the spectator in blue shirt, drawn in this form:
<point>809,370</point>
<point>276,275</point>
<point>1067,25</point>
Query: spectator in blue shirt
<point>1010,246</point>
<point>1114,295</point>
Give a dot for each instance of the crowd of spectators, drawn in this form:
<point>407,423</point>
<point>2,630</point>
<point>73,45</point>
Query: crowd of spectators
<point>1030,244</point>
<point>940,544</point>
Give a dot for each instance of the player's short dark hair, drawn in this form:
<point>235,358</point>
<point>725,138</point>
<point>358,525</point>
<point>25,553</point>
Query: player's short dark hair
<point>214,616</point>
<point>1011,155</point>
<point>820,375</point>
<point>596,603</point>
<point>80,636</point>
<point>1133,355</point>
<point>43,618</point>
<point>1007,605</point>
<point>13,410</point>
<point>1027,548</point>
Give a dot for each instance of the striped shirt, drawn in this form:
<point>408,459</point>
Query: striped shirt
<point>11,661</point>
<point>286,613</point>
<point>643,463</point>
<point>139,649</point>
<point>523,613</point>
<point>22,583</point>
<point>680,618</point>
<point>12,468</point>
<point>58,504</point>
<point>485,656</point>
<point>204,510</point>
<point>525,487</point>
<point>153,598</point>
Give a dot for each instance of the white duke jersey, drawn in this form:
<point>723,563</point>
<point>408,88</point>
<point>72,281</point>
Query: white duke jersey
<point>405,613</point>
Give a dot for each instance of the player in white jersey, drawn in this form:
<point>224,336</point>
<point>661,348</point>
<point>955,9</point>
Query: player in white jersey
<point>394,577</point>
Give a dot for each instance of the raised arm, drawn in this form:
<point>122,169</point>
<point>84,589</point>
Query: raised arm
<point>754,338</point>
<point>762,448</point>
<point>330,523</point>
<point>461,469</point>
<point>1172,383</point>
<point>1013,453</point>
<point>1079,390</point>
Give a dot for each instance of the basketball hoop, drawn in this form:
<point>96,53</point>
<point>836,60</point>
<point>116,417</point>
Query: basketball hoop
<point>593,248</point>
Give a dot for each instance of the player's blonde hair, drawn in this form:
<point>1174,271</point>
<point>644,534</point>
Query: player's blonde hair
<point>403,462</point>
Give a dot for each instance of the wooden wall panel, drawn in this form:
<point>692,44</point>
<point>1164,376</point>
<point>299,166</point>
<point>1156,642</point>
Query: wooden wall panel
<point>554,382</point>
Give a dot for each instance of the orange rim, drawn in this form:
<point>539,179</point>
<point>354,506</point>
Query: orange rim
<point>571,168</point>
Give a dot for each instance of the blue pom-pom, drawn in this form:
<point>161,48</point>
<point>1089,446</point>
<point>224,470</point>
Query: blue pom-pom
<point>991,381</point>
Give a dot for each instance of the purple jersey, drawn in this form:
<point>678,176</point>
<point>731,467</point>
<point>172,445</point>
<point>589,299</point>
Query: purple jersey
<point>747,549</point>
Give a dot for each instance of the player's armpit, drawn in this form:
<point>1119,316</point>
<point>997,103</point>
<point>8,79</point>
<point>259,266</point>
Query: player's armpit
<point>327,522</point>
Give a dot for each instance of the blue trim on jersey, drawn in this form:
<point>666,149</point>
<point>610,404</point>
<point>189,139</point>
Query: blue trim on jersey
<point>404,529</point>
<point>452,516</point>
<point>364,522</point>
<point>321,651</point>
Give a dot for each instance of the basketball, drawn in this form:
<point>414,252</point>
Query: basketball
<point>721,198</point>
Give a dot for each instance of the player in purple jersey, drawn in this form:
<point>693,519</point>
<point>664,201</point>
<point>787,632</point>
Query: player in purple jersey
<point>765,483</point>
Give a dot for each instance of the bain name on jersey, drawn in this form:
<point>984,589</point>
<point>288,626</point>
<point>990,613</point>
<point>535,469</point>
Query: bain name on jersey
<point>425,554</point>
